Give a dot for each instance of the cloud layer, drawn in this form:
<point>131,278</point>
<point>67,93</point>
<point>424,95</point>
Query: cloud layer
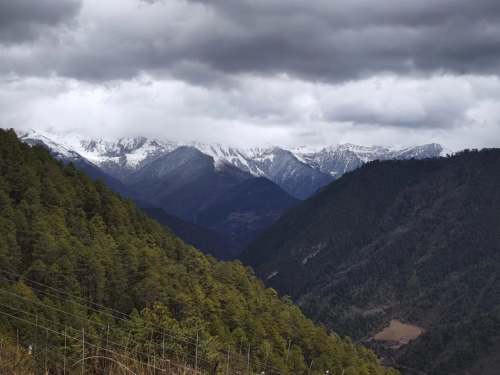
<point>25,20</point>
<point>280,71</point>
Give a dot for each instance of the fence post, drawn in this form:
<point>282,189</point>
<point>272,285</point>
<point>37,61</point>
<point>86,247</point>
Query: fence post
<point>248,360</point>
<point>35,344</point>
<point>163,348</point>
<point>310,366</point>
<point>65,348</point>
<point>46,349</point>
<point>83,351</point>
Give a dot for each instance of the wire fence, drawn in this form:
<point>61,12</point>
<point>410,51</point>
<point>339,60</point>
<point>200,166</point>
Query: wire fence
<point>59,339</point>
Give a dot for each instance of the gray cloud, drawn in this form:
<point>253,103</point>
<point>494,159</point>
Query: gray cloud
<point>24,20</point>
<point>458,112</point>
<point>321,40</point>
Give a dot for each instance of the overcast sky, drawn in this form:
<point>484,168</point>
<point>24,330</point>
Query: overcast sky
<point>247,72</point>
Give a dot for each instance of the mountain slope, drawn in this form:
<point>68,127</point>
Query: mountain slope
<point>184,181</point>
<point>245,210</point>
<point>417,241</point>
<point>59,231</point>
<point>207,240</point>
<point>190,185</point>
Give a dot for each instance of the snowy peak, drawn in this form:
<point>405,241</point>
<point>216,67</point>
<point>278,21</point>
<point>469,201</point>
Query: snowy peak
<point>60,151</point>
<point>225,155</point>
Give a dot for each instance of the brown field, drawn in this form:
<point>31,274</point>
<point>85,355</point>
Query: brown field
<point>399,332</point>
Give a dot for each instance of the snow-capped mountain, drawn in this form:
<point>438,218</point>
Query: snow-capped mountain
<point>58,150</point>
<point>339,159</point>
<point>279,165</point>
<point>67,155</point>
<point>298,171</point>
<point>118,158</point>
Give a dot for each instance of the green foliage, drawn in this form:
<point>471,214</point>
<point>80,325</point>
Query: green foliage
<point>59,229</point>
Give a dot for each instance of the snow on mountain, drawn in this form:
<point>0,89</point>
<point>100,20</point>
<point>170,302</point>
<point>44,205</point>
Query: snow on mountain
<point>58,150</point>
<point>339,159</point>
<point>299,171</point>
<point>127,152</point>
<point>277,164</point>
<point>118,158</point>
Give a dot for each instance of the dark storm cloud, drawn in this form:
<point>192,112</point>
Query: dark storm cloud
<point>342,40</point>
<point>23,20</point>
<point>329,41</point>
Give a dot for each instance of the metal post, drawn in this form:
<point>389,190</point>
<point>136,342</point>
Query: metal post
<point>46,349</point>
<point>310,366</point>
<point>83,351</point>
<point>107,337</point>
<point>65,346</point>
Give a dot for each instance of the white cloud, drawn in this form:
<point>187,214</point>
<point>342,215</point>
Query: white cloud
<point>456,111</point>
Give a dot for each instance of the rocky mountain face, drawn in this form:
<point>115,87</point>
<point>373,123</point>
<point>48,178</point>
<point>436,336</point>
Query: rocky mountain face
<point>414,241</point>
<point>189,180</point>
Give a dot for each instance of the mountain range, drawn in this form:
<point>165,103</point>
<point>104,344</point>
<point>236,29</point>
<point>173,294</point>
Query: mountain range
<point>300,171</point>
<point>198,182</point>
<point>401,252</point>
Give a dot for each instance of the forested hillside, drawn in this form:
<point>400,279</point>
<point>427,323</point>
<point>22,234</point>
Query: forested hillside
<point>70,246</point>
<point>417,241</point>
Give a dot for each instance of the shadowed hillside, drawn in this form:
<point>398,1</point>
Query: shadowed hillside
<point>417,241</point>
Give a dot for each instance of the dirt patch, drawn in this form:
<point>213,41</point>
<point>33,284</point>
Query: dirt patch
<point>398,333</point>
